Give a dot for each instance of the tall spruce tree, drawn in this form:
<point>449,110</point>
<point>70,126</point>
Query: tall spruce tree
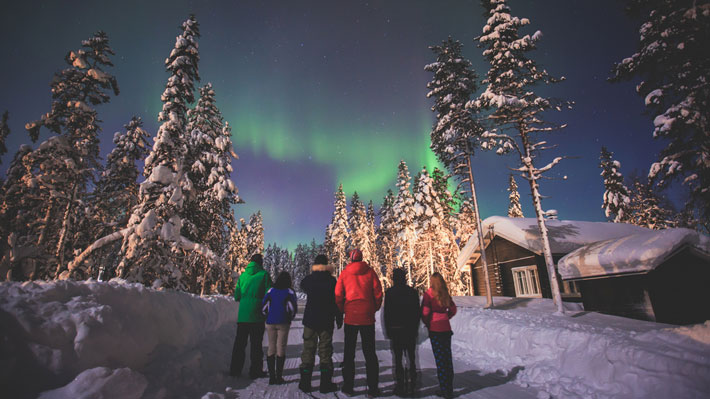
<point>207,213</point>
<point>116,192</point>
<point>20,227</point>
<point>456,133</point>
<point>65,166</point>
<point>429,220</point>
<point>255,235</point>
<point>153,247</point>
<point>371,232</point>
<point>514,208</point>
<point>387,238</point>
<point>673,62</point>
<point>513,104</point>
<point>359,229</point>
<point>646,208</point>
<point>616,195</point>
<point>237,255</point>
<point>111,203</point>
<point>405,228</point>
<point>337,235</point>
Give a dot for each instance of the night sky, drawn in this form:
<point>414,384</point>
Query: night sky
<point>327,92</point>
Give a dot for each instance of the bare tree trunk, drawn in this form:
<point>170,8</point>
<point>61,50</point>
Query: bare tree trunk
<point>63,233</point>
<point>547,252</point>
<point>481,243</point>
<point>45,222</point>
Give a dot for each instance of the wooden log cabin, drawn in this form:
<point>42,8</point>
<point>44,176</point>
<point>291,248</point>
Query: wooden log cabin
<point>655,275</point>
<point>516,267</point>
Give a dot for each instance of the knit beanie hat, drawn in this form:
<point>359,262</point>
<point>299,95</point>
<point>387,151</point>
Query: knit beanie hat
<point>321,260</point>
<point>355,255</point>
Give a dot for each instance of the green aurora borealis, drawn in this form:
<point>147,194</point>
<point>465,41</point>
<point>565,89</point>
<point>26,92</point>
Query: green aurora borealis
<point>320,93</point>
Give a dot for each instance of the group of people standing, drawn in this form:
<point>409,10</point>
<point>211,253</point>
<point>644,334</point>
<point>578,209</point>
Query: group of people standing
<point>352,300</point>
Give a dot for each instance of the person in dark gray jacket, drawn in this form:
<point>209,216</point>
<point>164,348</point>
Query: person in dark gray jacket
<point>318,317</point>
<point>401,324</point>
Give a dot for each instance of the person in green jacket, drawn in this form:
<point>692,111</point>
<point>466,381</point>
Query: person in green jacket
<point>251,287</point>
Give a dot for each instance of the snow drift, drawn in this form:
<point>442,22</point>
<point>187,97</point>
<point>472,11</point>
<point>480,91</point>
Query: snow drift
<point>54,331</point>
<point>583,354</point>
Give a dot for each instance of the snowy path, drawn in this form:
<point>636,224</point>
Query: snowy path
<point>468,382</point>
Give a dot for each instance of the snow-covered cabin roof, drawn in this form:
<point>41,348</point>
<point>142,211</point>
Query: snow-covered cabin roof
<point>565,235</point>
<point>635,253</point>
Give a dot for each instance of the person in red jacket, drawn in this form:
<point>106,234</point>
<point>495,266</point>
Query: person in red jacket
<point>437,309</point>
<point>358,293</point>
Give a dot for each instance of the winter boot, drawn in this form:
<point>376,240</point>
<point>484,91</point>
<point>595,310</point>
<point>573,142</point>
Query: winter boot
<point>410,384</point>
<point>305,383</point>
<point>400,385</point>
<point>272,371</point>
<point>326,379</point>
<point>280,360</point>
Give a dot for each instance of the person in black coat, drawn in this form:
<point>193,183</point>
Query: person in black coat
<point>401,325</point>
<point>318,317</point>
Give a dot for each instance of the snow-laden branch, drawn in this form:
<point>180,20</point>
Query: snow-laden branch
<point>203,250</point>
<point>550,165</point>
<point>96,245</point>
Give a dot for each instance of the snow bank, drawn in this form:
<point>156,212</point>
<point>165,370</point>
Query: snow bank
<point>583,354</point>
<point>54,331</point>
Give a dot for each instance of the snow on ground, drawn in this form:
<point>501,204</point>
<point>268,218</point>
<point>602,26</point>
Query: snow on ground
<point>116,340</point>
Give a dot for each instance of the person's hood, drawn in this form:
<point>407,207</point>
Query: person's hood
<point>253,268</point>
<point>357,268</point>
<point>322,268</point>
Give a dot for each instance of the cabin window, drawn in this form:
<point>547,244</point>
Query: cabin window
<point>571,289</point>
<point>527,282</point>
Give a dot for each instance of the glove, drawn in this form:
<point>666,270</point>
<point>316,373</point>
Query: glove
<point>339,322</point>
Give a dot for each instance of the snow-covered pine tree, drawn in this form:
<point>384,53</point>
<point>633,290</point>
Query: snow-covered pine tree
<point>456,133</point>
<point>153,248</point>
<point>272,256</point>
<point>371,233</point>
<point>337,235</point>
<point>237,256</point>
<point>511,98</point>
<point>673,62</point>
<point>115,195</point>
<point>75,91</point>
<point>387,239</point>
<point>616,195</point>
<point>207,212</point>
<point>514,208</point>
<point>255,235</point>
<point>302,261</point>
<point>210,154</point>
<point>117,189</point>
<point>20,227</point>
<point>359,230</point>
<point>646,208</point>
<point>440,182</point>
<point>465,222</point>
<point>404,223</point>
<point>428,221</point>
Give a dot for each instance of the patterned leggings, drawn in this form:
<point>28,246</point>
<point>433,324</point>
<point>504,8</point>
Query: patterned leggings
<point>441,345</point>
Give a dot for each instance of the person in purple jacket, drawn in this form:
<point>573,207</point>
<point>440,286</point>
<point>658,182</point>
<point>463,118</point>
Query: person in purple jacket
<point>279,306</point>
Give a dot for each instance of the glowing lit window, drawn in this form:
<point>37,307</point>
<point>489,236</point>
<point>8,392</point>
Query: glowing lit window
<point>527,283</point>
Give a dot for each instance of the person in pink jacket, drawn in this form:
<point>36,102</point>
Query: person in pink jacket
<point>437,309</point>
